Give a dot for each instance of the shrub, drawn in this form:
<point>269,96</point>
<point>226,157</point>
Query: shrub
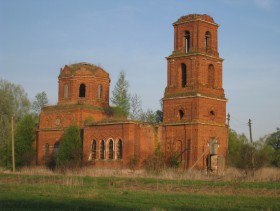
<point>173,159</point>
<point>155,162</point>
<point>133,162</point>
<point>70,149</point>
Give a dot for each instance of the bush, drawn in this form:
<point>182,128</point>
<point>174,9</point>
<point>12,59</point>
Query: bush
<point>70,149</point>
<point>173,159</point>
<point>133,162</point>
<point>155,163</point>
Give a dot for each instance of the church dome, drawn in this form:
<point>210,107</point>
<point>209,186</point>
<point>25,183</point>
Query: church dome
<point>82,69</point>
<point>192,17</point>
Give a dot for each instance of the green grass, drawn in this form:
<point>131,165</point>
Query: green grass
<point>57,192</point>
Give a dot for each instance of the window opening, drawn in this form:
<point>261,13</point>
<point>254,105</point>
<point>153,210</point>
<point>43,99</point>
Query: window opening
<point>188,37</point>
<point>100,91</point>
<point>93,150</point>
<point>181,114</point>
<point>184,74</point>
<point>207,41</point>
<point>111,149</point>
<point>119,152</point>
<point>102,150</point>
<point>65,91</point>
<point>212,114</point>
<point>82,91</point>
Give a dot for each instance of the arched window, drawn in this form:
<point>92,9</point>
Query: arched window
<point>65,91</point>
<point>181,114</point>
<point>119,149</point>
<point>100,91</point>
<point>82,90</point>
<point>111,149</point>
<point>207,42</point>
<point>211,76</point>
<point>93,150</point>
<point>188,41</point>
<point>184,74</point>
<point>47,153</point>
<point>102,150</point>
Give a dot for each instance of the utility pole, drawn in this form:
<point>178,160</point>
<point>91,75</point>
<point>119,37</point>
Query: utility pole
<point>251,141</point>
<point>13,144</point>
<point>228,129</point>
<point>228,120</point>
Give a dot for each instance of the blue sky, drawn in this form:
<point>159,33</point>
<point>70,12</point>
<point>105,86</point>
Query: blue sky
<point>38,37</point>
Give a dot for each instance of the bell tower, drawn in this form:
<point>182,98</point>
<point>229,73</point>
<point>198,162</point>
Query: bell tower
<point>194,96</point>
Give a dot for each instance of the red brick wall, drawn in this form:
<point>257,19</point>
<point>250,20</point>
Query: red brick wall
<point>138,142</point>
<point>47,137</point>
<point>198,109</point>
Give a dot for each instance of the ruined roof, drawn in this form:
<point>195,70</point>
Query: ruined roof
<point>193,17</point>
<point>82,69</point>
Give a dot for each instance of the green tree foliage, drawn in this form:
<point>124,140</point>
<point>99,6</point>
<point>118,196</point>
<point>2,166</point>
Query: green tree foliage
<point>70,149</point>
<point>159,116</point>
<point>121,96</point>
<point>149,116</point>
<point>18,99</point>
<point>40,102</point>
<point>25,134</point>
<point>13,101</point>
<point>273,141</point>
<point>251,156</point>
<point>5,125</point>
<point>235,144</point>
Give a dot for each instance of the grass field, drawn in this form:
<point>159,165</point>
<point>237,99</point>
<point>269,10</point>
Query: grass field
<point>60,192</point>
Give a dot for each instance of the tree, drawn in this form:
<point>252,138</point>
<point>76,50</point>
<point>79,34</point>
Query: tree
<point>70,149</point>
<point>13,101</point>
<point>273,140</point>
<point>5,125</point>
<point>40,102</point>
<point>135,108</point>
<point>234,147</point>
<point>24,140</point>
<point>18,98</point>
<point>159,116</point>
<point>149,116</point>
<point>121,97</point>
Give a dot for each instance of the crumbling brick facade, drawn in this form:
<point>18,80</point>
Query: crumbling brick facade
<point>194,108</point>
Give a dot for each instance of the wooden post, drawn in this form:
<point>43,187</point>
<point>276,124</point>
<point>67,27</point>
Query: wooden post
<point>251,141</point>
<point>228,120</point>
<point>13,144</point>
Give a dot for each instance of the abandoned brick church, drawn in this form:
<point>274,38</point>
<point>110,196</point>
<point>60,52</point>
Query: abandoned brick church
<point>194,108</point>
